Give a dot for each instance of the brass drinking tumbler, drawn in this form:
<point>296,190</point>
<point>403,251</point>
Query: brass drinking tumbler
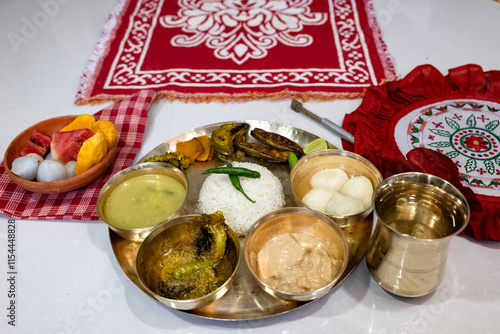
<point>417,216</point>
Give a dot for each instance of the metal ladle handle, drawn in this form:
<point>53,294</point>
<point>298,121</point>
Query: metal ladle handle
<point>329,125</point>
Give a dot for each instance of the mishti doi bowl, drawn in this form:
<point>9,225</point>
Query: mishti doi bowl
<point>337,183</point>
<point>180,271</point>
<point>296,254</point>
<point>137,199</point>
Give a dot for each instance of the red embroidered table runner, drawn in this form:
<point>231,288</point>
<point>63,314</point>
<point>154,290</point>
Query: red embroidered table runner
<point>129,117</point>
<point>237,50</point>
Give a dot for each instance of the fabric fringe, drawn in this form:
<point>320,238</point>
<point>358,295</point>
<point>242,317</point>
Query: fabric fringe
<point>206,98</point>
<point>94,64</point>
<point>385,57</point>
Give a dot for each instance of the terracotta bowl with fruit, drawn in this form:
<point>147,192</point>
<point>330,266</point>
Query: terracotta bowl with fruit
<point>34,140</point>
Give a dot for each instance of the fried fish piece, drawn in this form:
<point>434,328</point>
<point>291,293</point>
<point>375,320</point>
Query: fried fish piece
<point>224,137</point>
<point>174,158</point>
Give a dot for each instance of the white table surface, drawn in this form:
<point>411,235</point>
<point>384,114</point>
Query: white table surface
<point>68,279</point>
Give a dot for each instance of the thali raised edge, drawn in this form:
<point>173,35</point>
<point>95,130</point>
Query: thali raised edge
<point>245,300</point>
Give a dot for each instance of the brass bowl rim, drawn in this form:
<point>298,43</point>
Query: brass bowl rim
<point>417,177</point>
<point>104,193</point>
<point>340,153</point>
<point>298,296</point>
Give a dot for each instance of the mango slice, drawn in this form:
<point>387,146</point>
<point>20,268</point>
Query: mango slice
<point>108,128</point>
<point>81,122</point>
<point>93,150</point>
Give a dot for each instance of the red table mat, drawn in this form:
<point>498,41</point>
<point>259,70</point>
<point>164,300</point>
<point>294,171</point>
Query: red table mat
<point>237,50</point>
<point>443,125</point>
<point>130,117</point>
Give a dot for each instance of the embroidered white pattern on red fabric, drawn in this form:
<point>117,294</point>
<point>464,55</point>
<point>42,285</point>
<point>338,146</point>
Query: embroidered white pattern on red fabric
<point>464,130</point>
<point>239,30</point>
<point>354,70</point>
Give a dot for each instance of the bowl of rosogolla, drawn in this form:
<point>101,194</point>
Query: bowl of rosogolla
<point>337,183</point>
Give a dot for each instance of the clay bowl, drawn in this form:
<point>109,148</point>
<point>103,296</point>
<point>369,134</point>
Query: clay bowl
<point>48,127</point>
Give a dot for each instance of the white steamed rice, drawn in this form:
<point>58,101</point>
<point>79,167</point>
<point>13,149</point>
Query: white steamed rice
<point>217,193</point>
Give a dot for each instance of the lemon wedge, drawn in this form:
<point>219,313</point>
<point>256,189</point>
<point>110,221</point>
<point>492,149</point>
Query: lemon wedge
<point>316,145</point>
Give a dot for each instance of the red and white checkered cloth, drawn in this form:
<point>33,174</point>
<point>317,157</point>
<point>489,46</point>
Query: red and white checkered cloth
<point>129,116</point>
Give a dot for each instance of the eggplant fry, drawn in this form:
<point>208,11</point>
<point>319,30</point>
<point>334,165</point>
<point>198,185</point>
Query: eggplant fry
<point>277,141</point>
<point>264,152</point>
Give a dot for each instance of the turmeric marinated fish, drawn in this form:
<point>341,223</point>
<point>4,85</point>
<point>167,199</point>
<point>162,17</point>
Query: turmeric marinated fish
<point>224,137</point>
<point>173,158</point>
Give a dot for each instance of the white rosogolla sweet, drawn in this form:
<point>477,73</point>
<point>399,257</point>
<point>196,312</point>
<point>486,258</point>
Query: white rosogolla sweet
<point>51,170</point>
<point>32,166</point>
<point>343,205</point>
<point>333,179</point>
<point>25,167</point>
<point>70,168</point>
<point>36,156</point>
<point>317,198</point>
<point>333,192</point>
<point>359,187</point>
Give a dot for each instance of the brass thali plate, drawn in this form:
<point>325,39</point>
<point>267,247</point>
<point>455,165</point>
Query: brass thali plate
<point>245,300</point>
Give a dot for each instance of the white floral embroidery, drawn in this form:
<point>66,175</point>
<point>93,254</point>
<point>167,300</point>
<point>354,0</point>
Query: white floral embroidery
<point>240,30</point>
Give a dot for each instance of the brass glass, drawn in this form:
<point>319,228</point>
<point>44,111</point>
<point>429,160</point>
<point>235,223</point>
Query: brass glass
<point>296,220</point>
<point>158,168</point>
<point>171,231</point>
<point>351,163</point>
<point>417,216</point>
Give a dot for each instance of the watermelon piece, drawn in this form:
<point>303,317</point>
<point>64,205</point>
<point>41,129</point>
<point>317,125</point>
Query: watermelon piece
<point>41,139</point>
<point>39,143</point>
<point>31,147</point>
<point>66,145</point>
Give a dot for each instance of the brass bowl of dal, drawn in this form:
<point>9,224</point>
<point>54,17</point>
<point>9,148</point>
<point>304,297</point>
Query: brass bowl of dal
<point>164,240</point>
<point>351,163</point>
<point>321,242</point>
<point>137,199</point>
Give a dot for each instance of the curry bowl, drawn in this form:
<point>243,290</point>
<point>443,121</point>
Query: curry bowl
<point>134,201</point>
<point>296,254</point>
<point>49,127</point>
<point>352,165</point>
<point>190,285</point>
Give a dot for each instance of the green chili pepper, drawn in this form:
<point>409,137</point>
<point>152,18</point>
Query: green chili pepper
<point>188,269</point>
<point>235,181</point>
<point>237,171</point>
<point>292,159</point>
